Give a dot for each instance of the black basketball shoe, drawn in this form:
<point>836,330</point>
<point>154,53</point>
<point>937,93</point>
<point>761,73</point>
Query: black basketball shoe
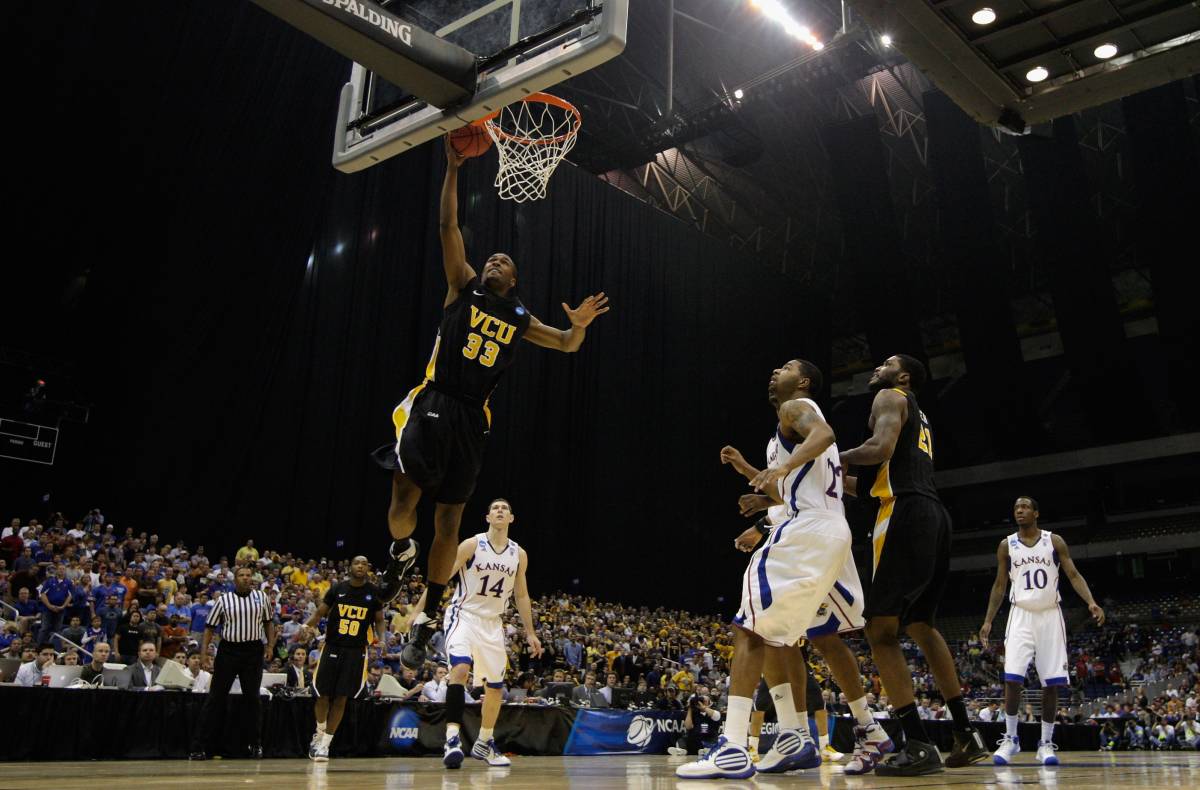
<point>402,556</point>
<point>915,759</point>
<point>419,634</point>
<point>968,749</point>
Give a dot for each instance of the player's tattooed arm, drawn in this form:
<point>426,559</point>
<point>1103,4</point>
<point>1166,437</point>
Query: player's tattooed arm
<point>454,252</point>
<point>888,412</point>
<point>998,587</point>
<point>1076,579</point>
<point>801,420</point>
<point>568,340</point>
<point>525,606</point>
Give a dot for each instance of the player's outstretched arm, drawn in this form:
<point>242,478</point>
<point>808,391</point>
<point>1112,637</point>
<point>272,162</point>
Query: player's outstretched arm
<point>998,587</point>
<point>888,413</point>
<point>568,340</point>
<point>802,419</point>
<point>1076,579</point>
<point>454,252</point>
<point>525,607</point>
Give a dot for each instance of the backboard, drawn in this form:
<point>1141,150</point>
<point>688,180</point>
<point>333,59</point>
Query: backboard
<point>520,47</point>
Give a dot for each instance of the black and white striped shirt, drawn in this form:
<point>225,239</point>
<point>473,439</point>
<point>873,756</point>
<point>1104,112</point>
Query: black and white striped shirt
<point>241,618</point>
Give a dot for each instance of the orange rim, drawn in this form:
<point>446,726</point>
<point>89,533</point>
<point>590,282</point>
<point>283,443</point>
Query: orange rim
<point>545,98</point>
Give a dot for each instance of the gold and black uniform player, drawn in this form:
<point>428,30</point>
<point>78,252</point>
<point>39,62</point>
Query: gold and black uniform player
<point>911,541</point>
<point>442,424</point>
<point>352,611</point>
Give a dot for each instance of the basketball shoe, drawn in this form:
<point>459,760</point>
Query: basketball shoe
<point>402,555</point>
<point>419,633</point>
<point>915,759</point>
<point>871,743</point>
<point>1046,753</point>
<point>792,749</point>
<point>968,749</point>
<point>1008,749</point>
<point>452,754</point>
<point>725,761</point>
<point>490,754</point>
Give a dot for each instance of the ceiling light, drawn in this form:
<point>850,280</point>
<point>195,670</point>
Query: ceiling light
<point>1037,74</point>
<point>737,94</point>
<point>886,40</point>
<point>1105,51</point>
<point>817,45</point>
<point>984,16</point>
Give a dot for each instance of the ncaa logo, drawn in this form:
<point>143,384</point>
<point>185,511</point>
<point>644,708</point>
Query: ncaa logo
<point>640,731</point>
<point>404,729</point>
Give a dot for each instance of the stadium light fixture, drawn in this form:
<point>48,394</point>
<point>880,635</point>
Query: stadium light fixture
<point>738,94</point>
<point>886,40</point>
<point>1105,51</point>
<point>984,16</point>
<point>1037,74</point>
<point>775,10</point>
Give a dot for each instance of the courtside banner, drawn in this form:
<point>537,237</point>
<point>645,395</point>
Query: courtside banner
<point>624,731</point>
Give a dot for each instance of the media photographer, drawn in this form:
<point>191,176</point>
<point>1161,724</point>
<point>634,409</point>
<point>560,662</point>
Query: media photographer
<point>701,722</point>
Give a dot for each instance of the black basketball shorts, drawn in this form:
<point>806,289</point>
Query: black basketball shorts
<point>439,444</point>
<point>341,671</point>
<point>911,559</point>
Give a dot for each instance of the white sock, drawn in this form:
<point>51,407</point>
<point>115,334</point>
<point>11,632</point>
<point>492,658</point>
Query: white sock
<point>737,719</point>
<point>485,734</point>
<point>823,741</point>
<point>1010,725</point>
<point>753,741</point>
<point>862,714</point>
<point>451,730</point>
<point>320,728</point>
<point>785,707</point>
<point>1047,731</point>
<point>326,739</point>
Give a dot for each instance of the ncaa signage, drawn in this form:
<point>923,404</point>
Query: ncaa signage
<point>624,732</point>
<point>404,730</point>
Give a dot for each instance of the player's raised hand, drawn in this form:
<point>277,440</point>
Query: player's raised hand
<point>747,540</point>
<point>453,158</point>
<point>749,504</point>
<point>731,455</point>
<point>985,631</point>
<point>588,309</point>
<point>1097,613</point>
<point>768,478</point>
<point>535,645</point>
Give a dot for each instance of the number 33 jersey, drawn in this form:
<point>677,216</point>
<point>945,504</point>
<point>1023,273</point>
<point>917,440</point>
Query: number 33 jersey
<point>351,613</point>
<point>476,341</point>
<point>815,486</point>
<point>1033,572</point>
<point>486,582</point>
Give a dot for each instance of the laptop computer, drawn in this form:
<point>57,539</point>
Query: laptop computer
<point>173,676</point>
<point>61,677</point>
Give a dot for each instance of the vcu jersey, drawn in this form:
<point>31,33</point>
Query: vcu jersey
<point>351,613</point>
<point>910,469</point>
<point>476,342</point>
<point>1033,572</point>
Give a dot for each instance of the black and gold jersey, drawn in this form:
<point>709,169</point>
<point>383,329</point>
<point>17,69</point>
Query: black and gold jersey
<point>910,469</point>
<point>476,342</point>
<point>351,613</point>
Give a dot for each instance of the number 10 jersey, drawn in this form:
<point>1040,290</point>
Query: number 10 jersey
<point>1033,573</point>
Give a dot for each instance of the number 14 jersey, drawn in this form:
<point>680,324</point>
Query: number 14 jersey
<point>486,582</point>
<point>1033,572</point>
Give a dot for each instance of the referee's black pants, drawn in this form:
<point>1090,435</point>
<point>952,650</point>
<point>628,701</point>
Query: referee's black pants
<point>241,660</point>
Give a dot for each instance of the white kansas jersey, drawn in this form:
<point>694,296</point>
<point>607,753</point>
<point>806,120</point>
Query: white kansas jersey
<point>486,582</point>
<point>1033,572</point>
<point>815,486</point>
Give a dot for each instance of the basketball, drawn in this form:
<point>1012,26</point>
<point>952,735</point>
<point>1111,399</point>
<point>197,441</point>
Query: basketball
<point>471,140</point>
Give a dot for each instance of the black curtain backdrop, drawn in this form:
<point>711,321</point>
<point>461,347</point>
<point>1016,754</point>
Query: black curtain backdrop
<point>238,388</point>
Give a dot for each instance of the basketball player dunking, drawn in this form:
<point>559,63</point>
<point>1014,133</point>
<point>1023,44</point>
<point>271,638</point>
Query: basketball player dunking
<point>840,613</point>
<point>1030,558</point>
<point>912,559</point>
<point>442,425</point>
<point>784,584</point>
<point>490,569</point>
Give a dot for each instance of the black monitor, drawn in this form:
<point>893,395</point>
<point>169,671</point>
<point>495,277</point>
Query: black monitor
<point>622,697</point>
<point>559,692</point>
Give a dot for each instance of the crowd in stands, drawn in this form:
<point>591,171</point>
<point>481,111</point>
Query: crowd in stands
<point>86,592</point>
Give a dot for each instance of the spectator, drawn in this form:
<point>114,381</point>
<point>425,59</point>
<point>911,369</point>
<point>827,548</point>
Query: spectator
<point>246,553</point>
<point>94,671</point>
<point>298,674</point>
<point>174,637</point>
<point>435,689</point>
<point>128,637</point>
<point>669,700</point>
<point>201,677</point>
<point>610,682</point>
<point>143,673</point>
<point>200,612</point>
<point>74,633</point>
<point>27,610</point>
<point>30,674</point>
<point>643,697</point>
<point>55,595</point>
<point>587,694</point>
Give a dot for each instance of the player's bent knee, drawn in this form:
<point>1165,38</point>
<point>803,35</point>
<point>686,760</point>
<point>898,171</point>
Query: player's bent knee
<point>882,634</point>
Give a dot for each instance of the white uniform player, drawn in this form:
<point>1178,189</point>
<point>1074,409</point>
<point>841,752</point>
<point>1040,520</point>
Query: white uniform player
<point>792,572</point>
<point>1036,630</point>
<point>842,609</point>
<point>474,630</point>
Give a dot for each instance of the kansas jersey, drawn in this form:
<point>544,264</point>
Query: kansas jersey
<point>486,582</point>
<point>817,485</point>
<point>351,613</point>
<point>1033,572</point>
<point>476,341</point>
<point>910,469</point>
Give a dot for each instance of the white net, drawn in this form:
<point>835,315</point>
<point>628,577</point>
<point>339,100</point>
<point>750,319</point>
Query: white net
<point>532,136</point>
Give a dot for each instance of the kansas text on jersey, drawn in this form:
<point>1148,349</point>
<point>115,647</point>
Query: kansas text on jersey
<point>351,612</point>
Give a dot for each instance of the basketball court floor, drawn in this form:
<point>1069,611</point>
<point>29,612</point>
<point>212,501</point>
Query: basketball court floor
<point>1080,771</point>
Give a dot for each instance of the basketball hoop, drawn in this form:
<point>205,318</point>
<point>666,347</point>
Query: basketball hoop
<point>532,136</point>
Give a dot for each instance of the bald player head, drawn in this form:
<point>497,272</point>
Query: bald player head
<point>360,566</point>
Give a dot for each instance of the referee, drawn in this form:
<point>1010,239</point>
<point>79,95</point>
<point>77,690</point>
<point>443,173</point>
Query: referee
<point>248,631</point>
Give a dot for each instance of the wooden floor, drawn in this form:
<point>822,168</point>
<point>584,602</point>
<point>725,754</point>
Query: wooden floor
<point>1079,771</point>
